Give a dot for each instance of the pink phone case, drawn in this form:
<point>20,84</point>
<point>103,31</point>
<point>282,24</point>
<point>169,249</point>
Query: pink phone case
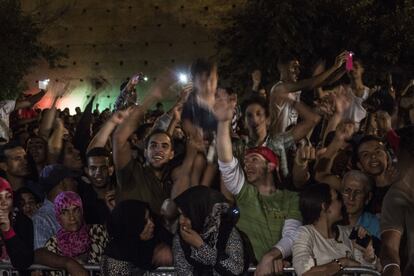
<point>349,63</point>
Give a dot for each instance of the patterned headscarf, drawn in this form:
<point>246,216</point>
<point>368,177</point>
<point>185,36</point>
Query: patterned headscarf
<point>207,209</point>
<point>71,244</point>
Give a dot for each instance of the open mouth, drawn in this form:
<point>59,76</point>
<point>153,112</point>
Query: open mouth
<point>157,158</point>
<point>374,164</point>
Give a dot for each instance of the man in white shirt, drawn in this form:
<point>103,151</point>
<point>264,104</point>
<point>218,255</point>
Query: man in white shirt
<point>282,113</point>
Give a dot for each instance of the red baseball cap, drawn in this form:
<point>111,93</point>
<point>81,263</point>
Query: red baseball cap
<point>266,153</point>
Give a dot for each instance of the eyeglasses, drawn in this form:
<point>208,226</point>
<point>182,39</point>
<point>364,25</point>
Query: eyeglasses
<point>349,193</point>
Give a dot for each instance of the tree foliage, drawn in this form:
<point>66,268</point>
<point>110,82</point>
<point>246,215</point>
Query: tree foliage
<point>380,32</point>
<point>20,47</point>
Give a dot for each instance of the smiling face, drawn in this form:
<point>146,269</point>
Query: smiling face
<point>99,171</point>
<point>159,150</point>
<point>255,166</point>
<point>373,159</point>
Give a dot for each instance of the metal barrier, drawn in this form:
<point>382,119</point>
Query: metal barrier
<point>170,271</point>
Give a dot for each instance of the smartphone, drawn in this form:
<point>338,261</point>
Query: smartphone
<point>349,62</point>
<point>361,242</point>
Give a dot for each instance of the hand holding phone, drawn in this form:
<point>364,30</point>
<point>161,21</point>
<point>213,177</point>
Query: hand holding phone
<point>363,242</point>
<point>349,65</point>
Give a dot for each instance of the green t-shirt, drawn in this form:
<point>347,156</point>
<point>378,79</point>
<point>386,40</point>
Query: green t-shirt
<point>262,217</point>
<point>137,181</point>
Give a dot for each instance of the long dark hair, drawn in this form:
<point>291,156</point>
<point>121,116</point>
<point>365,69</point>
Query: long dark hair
<point>311,200</point>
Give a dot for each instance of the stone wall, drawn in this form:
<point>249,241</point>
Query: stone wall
<point>112,39</point>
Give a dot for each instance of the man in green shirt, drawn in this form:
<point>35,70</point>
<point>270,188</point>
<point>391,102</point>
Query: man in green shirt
<point>143,181</point>
<point>268,215</point>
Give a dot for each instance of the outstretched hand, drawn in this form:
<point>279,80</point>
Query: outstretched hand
<point>118,117</point>
<point>341,59</point>
<point>160,90</point>
<point>224,108</point>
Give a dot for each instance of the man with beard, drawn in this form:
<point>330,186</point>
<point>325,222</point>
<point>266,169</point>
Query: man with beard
<point>36,146</point>
<point>283,114</point>
<point>269,215</point>
<point>146,181</point>
<point>13,161</point>
<point>97,195</point>
<point>397,224</point>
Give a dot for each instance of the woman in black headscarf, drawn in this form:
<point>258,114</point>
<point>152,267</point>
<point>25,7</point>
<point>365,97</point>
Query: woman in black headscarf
<point>135,244</point>
<point>207,242</point>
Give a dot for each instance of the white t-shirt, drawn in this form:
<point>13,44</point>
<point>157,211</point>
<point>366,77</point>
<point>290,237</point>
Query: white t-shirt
<point>286,114</point>
<point>311,249</point>
<point>356,112</point>
<point>6,107</point>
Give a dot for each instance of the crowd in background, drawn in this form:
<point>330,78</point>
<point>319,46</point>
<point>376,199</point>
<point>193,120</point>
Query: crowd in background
<point>222,181</point>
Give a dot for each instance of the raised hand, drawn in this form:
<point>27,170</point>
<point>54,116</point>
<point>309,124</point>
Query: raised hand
<point>60,89</point>
<point>224,109</point>
<point>341,59</point>
<point>342,101</point>
<point>119,116</point>
<point>177,110</point>
<point>304,154</point>
<point>191,237</point>
<point>110,200</point>
<point>344,131</point>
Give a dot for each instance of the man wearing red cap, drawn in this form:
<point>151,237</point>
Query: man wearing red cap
<point>268,215</point>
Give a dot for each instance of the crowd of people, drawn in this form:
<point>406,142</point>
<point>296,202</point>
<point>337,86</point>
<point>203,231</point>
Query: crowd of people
<point>223,181</point>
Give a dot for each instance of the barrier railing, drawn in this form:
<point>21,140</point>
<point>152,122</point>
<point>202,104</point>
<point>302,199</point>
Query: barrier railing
<point>170,271</point>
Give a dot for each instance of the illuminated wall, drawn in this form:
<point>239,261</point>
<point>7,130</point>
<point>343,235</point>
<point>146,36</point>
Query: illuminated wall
<point>113,39</point>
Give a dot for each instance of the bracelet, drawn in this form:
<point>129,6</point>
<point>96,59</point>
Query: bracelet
<point>389,265</point>
<point>341,267</point>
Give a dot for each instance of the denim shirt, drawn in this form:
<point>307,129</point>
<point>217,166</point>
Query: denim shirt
<point>45,224</point>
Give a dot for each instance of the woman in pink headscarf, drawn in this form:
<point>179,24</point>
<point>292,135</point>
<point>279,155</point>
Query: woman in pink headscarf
<point>75,239</point>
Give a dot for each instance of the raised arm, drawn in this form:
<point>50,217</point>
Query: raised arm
<point>30,101</point>
<point>409,85</point>
<point>121,147</point>
<point>310,83</point>
<point>223,111</point>
<point>324,164</point>
<point>102,137</point>
<point>310,120</point>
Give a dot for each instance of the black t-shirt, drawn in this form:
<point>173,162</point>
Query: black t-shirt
<point>20,247</point>
<point>95,210</point>
<point>375,205</point>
